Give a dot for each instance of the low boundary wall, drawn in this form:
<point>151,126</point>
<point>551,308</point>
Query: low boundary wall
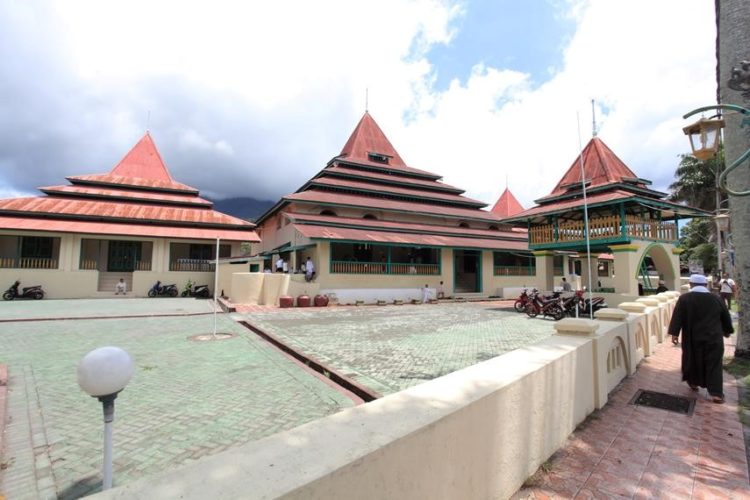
<point>475,433</point>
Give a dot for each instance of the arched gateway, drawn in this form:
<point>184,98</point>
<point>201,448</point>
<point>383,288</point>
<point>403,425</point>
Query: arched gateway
<point>626,222</point>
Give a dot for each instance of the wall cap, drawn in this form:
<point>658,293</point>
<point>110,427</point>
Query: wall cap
<point>661,297</point>
<point>648,301</point>
<point>636,307</point>
<point>611,313</point>
<point>576,326</point>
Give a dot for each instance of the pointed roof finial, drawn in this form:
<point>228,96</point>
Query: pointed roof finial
<point>367,99</point>
<point>593,119</point>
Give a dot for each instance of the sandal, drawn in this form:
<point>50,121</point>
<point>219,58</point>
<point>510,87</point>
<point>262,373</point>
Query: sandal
<point>717,399</point>
<point>675,341</point>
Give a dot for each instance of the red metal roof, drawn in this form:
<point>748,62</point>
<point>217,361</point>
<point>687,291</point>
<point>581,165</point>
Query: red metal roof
<point>368,138</point>
<point>125,194</point>
<point>574,203</point>
<point>408,226</point>
<point>349,234</point>
<point>365,202</point>
<point>111,209</point>
<point>116,180</point>
<point>126,229</point>
<point>600,167</point>
<point>507,205</point>
<point>143,161</point>
<point>400,179</point>
<point>398,191</point>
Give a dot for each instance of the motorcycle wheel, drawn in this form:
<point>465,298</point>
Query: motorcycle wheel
<point>152,293</point>
<point>204,294</point>
<point>173,292</point>
<point>8,296</point>
<point>38,295</point>
<point>185,293</point>
<point>531,311</point>
<point>519,306</point>
<point>556,312</point>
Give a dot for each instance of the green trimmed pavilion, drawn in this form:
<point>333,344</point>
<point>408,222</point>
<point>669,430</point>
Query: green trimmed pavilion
<point>625,218</point>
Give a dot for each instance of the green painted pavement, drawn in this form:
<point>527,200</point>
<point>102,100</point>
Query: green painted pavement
<point>187,399</point>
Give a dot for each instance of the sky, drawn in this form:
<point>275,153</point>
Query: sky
<point>254,98</point>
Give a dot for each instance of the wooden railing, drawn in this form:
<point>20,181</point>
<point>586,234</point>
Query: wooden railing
<point>143,265</point>
<point>514,271</point>
<point>608,227</point>
<point>191,265</point>
<point>89,264</point>
<point>28,263</point>
<point>346,267</point>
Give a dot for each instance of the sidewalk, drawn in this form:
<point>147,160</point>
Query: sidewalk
<point>627,451</point>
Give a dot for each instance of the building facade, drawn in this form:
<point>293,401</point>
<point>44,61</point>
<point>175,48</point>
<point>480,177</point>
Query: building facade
<point>378,229</point>
<point>134,223</point>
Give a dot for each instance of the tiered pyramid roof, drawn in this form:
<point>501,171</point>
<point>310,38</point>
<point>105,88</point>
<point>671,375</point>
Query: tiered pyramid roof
<point>369,174</point>
<point>137,197</point>
<point>607,181</point>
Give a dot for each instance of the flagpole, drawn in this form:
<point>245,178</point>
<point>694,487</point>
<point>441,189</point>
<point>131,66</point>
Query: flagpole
<point>216,284</point>
<point>585,217</point>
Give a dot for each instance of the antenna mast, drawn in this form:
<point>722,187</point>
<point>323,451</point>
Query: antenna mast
<point>593,119</point>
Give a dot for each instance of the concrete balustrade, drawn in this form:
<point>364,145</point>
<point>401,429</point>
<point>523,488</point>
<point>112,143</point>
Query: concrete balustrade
<point>475,433</point>
<point>653,313</point>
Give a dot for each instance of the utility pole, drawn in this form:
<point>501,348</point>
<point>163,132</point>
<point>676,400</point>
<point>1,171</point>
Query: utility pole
<point>733,47</point>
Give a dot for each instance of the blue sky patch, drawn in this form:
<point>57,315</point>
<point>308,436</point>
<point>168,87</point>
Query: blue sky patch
<point>508,34</point>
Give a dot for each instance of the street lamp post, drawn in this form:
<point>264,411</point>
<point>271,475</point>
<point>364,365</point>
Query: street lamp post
<point>103,373</point>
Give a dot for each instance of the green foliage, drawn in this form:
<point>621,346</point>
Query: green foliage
<point>695,185</point>
<point>695,182</point>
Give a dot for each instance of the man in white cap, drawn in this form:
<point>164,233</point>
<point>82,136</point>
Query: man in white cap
<point>704,320</point>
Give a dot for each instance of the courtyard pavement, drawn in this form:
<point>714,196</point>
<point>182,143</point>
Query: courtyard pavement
<point>190,399</point>
<point>187,399</point>
<point>394,347</point>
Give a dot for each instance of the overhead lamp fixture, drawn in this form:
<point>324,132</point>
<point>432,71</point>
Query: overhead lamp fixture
<point>704,137</point>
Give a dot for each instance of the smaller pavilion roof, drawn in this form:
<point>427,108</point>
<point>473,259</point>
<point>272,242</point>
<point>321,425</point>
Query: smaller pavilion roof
<point>601,167</point>
<point>506,205</point>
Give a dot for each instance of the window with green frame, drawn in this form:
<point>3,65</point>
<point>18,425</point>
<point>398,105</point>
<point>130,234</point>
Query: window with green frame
<point>37,247</point>
<point>513,264</point>
<point>367,258</point>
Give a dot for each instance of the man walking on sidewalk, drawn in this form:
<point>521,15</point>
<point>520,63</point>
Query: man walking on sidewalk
<point>704,320</point>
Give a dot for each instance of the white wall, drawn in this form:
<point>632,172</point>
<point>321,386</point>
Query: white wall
<point>475,433</point>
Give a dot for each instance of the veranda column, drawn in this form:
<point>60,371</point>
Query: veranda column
<point>626,265</point>
<point>545,274</point>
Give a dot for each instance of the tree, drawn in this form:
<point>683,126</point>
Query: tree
<point>733,47</point>
<point>695,239</point>
<point>696,184</point>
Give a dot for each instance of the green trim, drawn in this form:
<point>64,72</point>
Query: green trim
<point>543,253</point>
<point>623,248</point>
<point>579,243</point>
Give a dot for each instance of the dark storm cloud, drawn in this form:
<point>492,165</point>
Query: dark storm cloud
<point>54,124</point>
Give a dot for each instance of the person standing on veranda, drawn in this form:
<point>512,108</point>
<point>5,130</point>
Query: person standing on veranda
<point>704,321</point>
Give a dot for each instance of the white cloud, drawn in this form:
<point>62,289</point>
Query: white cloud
<point>646,63</point>
<point>264,93</point>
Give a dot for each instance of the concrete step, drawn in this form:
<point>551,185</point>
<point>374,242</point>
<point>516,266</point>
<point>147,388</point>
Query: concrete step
<point>108,281</point>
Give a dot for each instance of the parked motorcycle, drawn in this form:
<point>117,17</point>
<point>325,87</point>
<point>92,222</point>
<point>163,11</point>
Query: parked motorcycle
<point>523,300</point>
<point>584,305</point>
<point>546,306</point>
<point>164,290</point>
<point>196,291</point>
<point>32,292</point>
